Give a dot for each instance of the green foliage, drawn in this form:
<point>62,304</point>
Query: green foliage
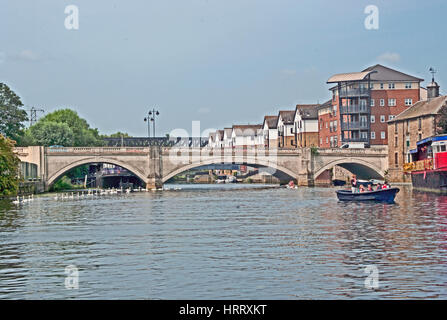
<point>116,135</point>
<point>314,150</point>
<point>63,183</point>
<point>48,133</point>
<point>78,172</point>
<point>63,127</point>
<point>12,116</point>
<point>9,166</point>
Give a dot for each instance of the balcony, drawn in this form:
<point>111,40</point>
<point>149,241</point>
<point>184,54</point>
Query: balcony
<point>420,165</point>
<point>358,92</point>
<point>355,140</point>
<point>354,109</point>
<point>355,125</point>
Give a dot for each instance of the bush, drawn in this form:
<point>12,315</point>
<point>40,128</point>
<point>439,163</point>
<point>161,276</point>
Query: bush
<point>63,183</point>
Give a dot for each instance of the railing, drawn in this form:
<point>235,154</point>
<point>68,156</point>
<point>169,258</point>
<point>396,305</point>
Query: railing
<point>354,92</point>
<point>354,125</point>
<point>353,109</point>
<point>421,165</point>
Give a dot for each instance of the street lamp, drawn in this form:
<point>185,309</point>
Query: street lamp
<point>148,120</point>
<point>151,117</point>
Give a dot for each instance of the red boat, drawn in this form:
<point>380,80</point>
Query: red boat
<point>428,168</point>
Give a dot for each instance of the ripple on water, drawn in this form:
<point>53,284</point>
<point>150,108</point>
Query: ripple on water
<point>224,242</point>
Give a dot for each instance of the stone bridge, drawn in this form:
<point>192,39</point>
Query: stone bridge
<point>155,165</point>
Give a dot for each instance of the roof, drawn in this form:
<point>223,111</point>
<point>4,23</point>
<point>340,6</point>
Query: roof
<point>247,129</point>
<point>422,108</point>
<point>228,131</point>
<point>387,74</point>
<point>272,122</point>
<point>220,134</point>
<point>307,111</point>
<point>287,116</point>
<point>327,104</point>
<point>352,76</point>
<point>377,72</point>
<point>212,135</point>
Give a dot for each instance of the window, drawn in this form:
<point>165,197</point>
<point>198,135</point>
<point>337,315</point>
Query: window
<point>382,118</point>
<point>382,102</point>
<point>395,141</point>
<point>373,118</point>
<point>364,135</point>
<point>291,130</point>
<point>327,139</point>
<point>391,117</point>
<point>372,103</point>
<point>408,142</point>
<point>326,125</point>
<point>371,86</point>
<point>420,136</point>
<point>373,135</point>
<point>408,102</point>
<point>419,123</point>
<point>321,141</point>
<point>381,86</point>
<point>363,103</point>
<point>408,85</point>
<point>382,135</point>
<point>391,85</point>
<point>395,127</point>
<point>396,159</point>
<point>392,102</point>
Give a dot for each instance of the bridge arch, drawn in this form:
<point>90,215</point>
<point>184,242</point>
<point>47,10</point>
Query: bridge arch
<point>253,162</point>
<point>359,167</point>
<point>59,173</point>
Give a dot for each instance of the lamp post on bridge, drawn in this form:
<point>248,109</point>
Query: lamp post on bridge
<point>151,117</point>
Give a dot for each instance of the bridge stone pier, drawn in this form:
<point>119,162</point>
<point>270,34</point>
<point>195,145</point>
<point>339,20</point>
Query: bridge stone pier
<point>155,165</point>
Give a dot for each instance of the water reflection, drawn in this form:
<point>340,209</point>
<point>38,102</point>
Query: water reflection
<point>225,242</point>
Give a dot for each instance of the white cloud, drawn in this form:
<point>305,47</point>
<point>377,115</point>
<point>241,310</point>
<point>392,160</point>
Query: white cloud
<point>390,57</point>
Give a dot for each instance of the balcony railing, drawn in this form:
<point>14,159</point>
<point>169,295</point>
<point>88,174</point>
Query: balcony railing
<point>354,125</point>
<point>353,109</point>
<point>355,140</point>
<point>354,92</point>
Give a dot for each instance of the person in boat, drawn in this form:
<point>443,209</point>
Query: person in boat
<point>370,188</point>
<point>354,184</point>
<point>362,188</point>
<point>379,186</point>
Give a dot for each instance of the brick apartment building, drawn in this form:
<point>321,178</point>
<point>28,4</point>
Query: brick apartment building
<point>328,125</point>
<point>363,102</point>
<point>414,124</point>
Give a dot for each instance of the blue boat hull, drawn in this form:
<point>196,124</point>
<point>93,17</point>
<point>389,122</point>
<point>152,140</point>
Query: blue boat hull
<point>386,195</point>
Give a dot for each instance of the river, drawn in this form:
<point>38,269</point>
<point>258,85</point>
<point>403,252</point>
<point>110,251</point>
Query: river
<point>224,242</point>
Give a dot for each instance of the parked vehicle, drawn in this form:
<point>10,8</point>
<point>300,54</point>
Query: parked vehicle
<point>353,145</point>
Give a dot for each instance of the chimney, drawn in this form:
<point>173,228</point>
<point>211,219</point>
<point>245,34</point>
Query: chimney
<point>433,87</point>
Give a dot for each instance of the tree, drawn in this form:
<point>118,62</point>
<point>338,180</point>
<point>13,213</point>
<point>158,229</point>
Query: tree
<point>49,133</point>
<point>12,116</point>
<point>9,166</point>
<point>118,134</point>
<point>72,130</point>
<point>83,135</point>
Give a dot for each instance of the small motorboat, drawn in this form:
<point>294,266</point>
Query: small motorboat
<point>383,195</point>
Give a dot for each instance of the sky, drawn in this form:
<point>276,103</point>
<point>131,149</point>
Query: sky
<point>214,61</point>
